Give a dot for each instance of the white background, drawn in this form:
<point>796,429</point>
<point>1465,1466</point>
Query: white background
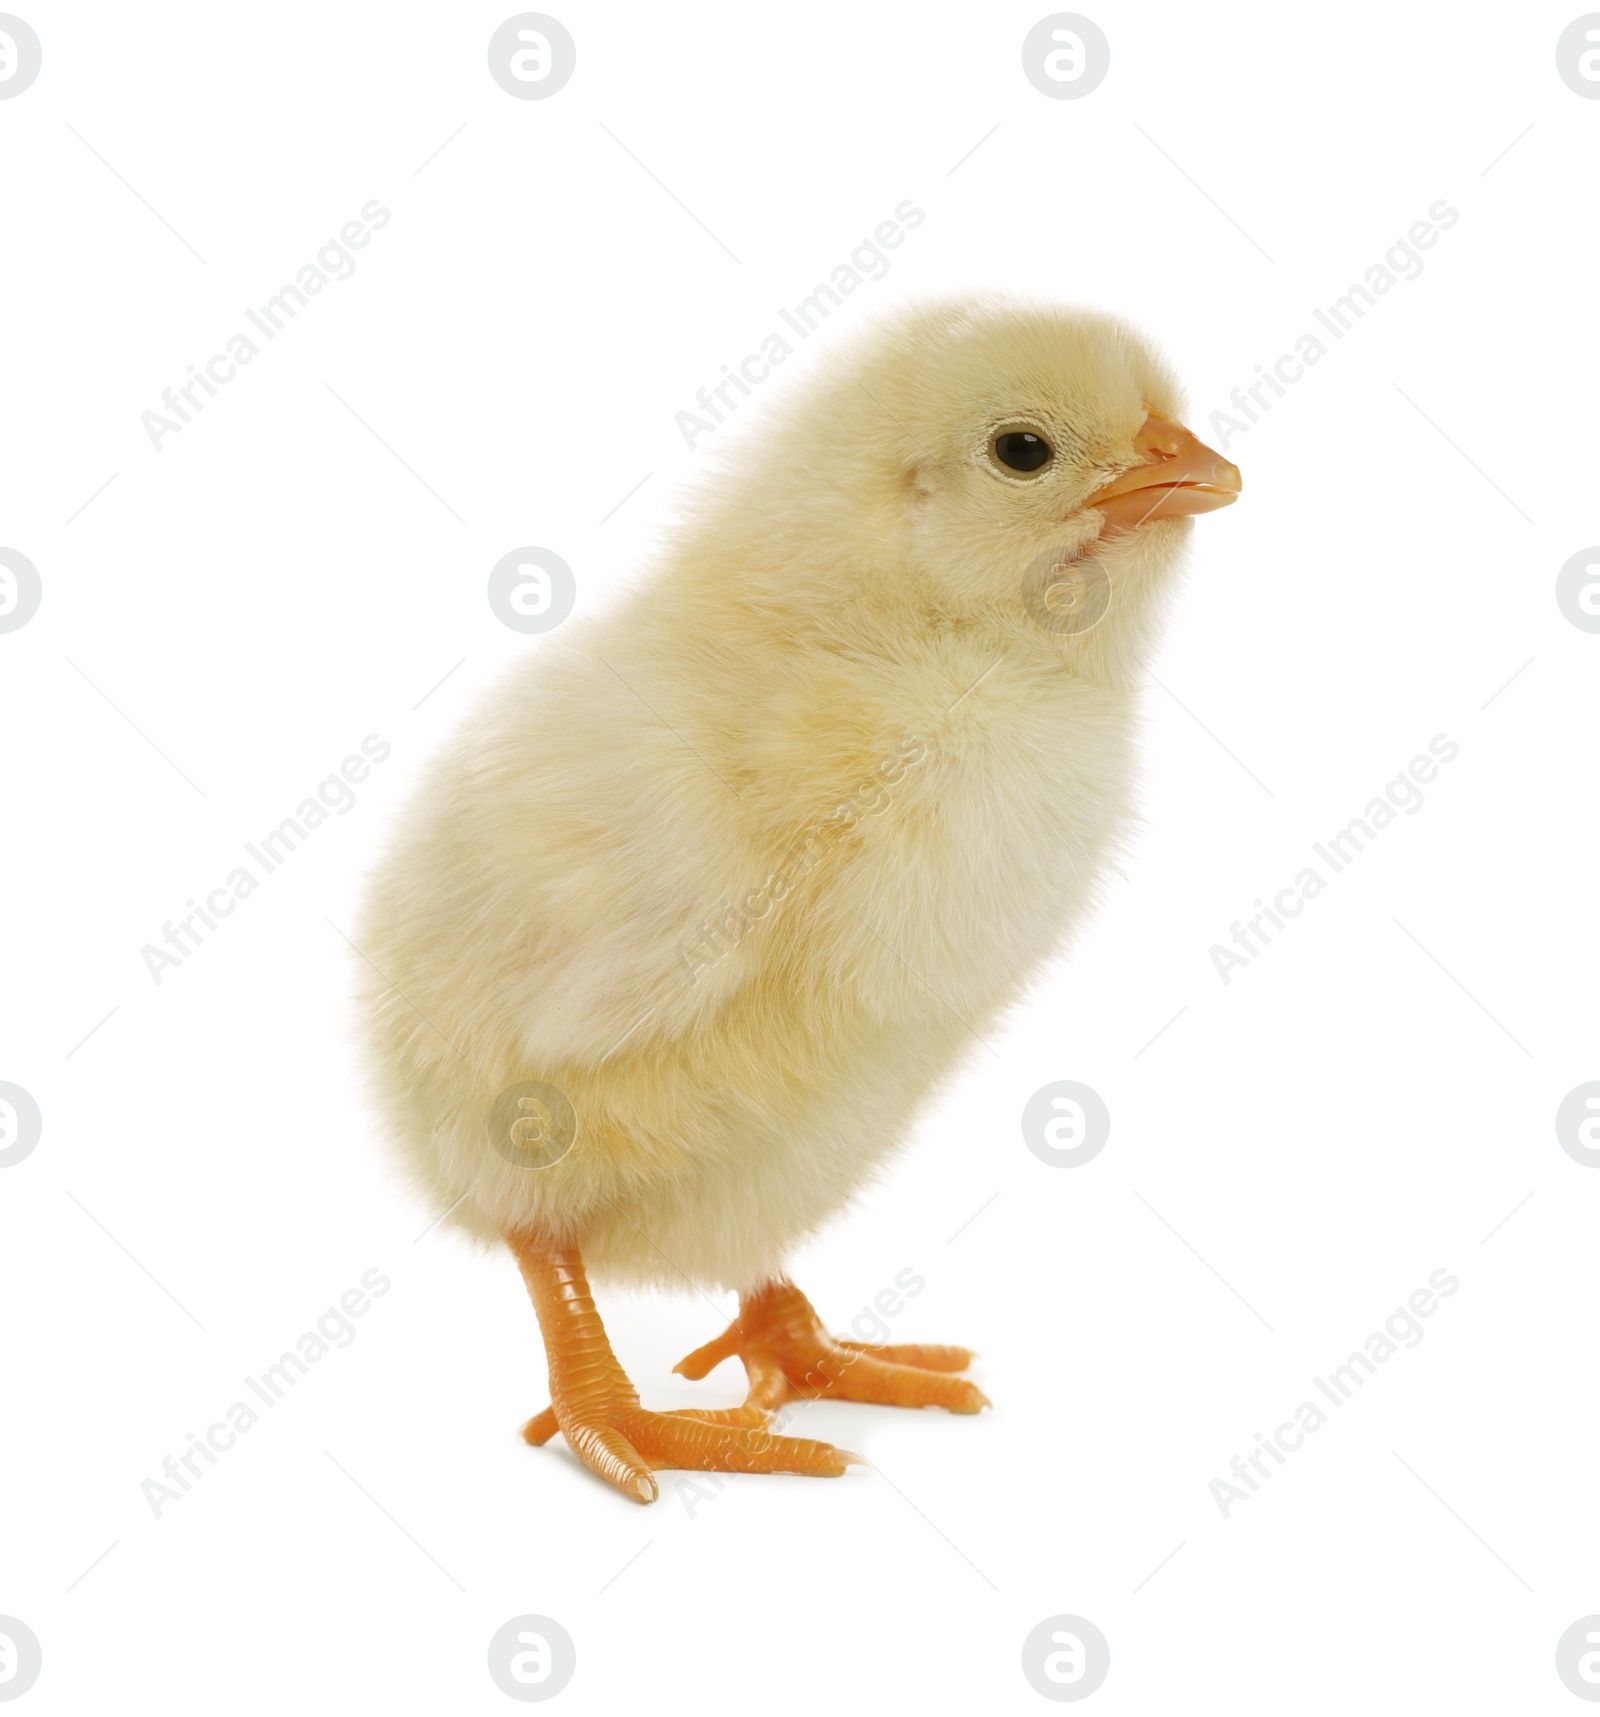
<point>1362,1105</point>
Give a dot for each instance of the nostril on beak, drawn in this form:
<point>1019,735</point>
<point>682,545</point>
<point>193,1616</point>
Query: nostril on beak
<point>1159,435</point>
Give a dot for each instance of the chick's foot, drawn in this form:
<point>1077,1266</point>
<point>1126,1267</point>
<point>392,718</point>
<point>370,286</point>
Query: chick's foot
<point>789,1356</point>
<point>596,1407</point>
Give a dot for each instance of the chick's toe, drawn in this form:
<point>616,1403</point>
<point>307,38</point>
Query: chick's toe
<point>789,1356</point>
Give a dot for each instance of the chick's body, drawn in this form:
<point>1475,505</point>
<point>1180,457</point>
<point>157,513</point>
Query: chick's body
<point>744,868</point>
<point>744,926</point>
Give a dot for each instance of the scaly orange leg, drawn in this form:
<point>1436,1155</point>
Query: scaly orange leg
<point>789,1356</point>
<point>597,1409</point>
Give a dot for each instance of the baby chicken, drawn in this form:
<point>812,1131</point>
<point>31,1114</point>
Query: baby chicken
<point>715,890</point>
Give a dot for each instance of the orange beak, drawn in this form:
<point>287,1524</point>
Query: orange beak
<point>1179,476</point>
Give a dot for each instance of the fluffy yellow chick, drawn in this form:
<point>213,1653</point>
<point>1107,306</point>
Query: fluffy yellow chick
<point>715,889</point>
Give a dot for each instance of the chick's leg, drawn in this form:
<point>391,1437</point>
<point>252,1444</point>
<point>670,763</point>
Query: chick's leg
<point>789,1356</point>
<point>597,1409</point>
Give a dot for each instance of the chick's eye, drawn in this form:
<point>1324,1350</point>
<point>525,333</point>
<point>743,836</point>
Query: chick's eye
<point>1022,450</point>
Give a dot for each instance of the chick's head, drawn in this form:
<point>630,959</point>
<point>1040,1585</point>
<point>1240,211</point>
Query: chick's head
<point>1038,455</point>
